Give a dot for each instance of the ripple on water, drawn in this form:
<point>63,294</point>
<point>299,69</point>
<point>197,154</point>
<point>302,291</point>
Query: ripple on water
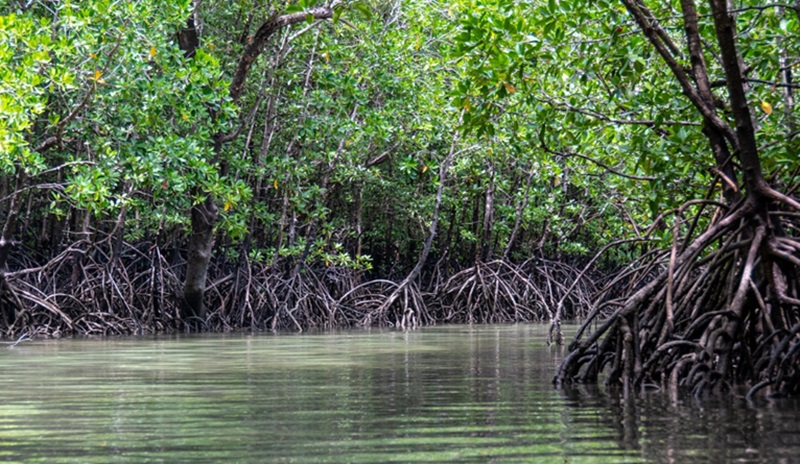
<point>441,394</point>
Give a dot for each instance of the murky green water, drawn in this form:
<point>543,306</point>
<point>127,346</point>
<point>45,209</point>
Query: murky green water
<point>440,394</point>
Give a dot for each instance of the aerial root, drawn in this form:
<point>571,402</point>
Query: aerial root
<point>719,312</point>
<point>97,289</point>
<point>500,291</point>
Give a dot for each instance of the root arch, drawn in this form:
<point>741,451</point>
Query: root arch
<point>719,313</point>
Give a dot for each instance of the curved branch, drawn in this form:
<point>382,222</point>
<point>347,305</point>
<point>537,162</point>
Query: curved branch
<point>587,158</point>
<point>654,33</point>
<point>564,106</point>
<point>256,43</point>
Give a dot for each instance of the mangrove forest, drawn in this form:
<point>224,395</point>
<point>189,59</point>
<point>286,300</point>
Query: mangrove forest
<point>273,165</point>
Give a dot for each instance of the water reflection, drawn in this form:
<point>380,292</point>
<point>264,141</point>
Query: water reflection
<point>457,394</point>
<point>675,428</point>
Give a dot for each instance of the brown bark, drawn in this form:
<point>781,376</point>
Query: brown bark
<point>656,35</point>
<point>256,43</point>
<point>521,206</point>
<point>745,132</point>
<point>201,242</point>
<point>716,138</point>
<point>423,257</point>
<point>188,41</point>
<point>728,317</point>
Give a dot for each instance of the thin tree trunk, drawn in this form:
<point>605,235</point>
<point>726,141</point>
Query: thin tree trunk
<point>745,132</point>
<point>423,257</point>
<point>476,224</point>
<point>359,213</point>
<point>521,206</point>
<point>488,217</point>
<point>719,146</point>
<point>788,81</point>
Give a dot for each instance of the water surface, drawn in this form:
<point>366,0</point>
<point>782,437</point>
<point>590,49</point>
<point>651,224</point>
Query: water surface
<point>439,394</point>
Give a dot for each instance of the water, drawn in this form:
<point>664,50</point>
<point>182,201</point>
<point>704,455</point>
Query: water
<point>440,394</point>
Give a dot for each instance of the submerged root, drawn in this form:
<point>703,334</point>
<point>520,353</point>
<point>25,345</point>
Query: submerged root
<point>499,291</point>
<point>385,303</point>
<point>85,293</point>
<point>720,311</point>
<point>89,290</point>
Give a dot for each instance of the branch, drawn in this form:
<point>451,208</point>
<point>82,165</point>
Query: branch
<point>602,117</point>
<point>66,165</point>
<point>655,33</point>
<point>765,7</point>
<point>699,69</point>
<point>61,126</point>
<point>382,157</point>
<point>659,31</point>
<point>587,158</point>
<point>443,170</point>
<point>723,83</point>
<point>256,43</point>
<point>773,84</point>
<point>555,318</point>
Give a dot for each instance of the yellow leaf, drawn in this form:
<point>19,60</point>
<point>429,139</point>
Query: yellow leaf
<point>275,184</point>
<point>152,52</point>
<point>509,88</point>
<point>467,105</point>
<point>490,152</point>
<point>97,75</point>
<point>766,107</point>
<point>327,56</point>
<point>94,57</point>
<point>424,168</point>
<point>228,205</point>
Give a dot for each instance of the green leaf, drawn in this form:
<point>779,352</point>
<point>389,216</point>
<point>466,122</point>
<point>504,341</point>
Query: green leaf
<point>293,8</point>
<point>364,9</point>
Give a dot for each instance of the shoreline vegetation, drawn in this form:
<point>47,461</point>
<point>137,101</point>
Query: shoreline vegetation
<point>172,166</point>
<point>139,293</point>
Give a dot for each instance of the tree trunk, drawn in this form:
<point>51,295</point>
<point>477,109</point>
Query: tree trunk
<point>521,206</point>
<point>203,215</point>
<point>409,320</point>
<point>488,218</point>
<point>719,146</point>
<point>747,148</point>
<point>201,242</point>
